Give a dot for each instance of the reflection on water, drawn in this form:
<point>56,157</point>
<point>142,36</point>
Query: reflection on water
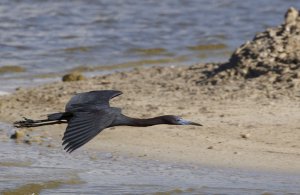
<point>54,36</point>
<point>35,169</point>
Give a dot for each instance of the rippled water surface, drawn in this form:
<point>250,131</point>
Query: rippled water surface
<point>56,36</point>
<point>28,169</point>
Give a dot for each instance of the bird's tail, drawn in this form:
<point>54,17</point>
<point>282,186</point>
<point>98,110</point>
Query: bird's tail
<point>56,118</point>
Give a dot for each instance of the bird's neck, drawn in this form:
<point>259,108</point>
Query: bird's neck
<point>125,120</point>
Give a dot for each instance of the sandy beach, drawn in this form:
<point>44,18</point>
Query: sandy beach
<point>242,127</point>
<point>232,66</point>
<point>249,108</point>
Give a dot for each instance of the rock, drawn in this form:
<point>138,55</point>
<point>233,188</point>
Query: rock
<point>75,76</point>
<point>245,136</point>
<point>210,147</point>
<point>291,16</point>
<point>27,141</point>
<point>50,145</point>
<point>17,134</point>
<point>272,58</point>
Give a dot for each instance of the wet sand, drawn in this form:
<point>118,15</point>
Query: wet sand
<point>32,169</point>
<point>243,126</point>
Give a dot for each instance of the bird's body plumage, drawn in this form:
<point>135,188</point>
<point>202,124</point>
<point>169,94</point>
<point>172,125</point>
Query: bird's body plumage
<point>87,114</point>
<point>92,99</point>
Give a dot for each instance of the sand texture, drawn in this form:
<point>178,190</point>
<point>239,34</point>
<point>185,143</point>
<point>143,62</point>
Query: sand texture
<point>249,108</point>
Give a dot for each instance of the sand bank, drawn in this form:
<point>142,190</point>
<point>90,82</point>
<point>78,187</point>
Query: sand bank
<point>250,115</point>
<point>243,127</point>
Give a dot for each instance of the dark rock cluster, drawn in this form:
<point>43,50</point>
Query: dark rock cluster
<point>273,56</point>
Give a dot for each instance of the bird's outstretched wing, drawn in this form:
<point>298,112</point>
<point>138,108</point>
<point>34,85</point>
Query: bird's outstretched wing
<point>83,126</point>
<point>91,100</point>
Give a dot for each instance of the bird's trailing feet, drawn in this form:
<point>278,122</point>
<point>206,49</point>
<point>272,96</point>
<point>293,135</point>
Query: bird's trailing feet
<point>36,123</point>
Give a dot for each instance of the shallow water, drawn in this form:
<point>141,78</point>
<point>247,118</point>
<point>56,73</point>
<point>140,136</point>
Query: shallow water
<point>56,36</point>
<point>35,169</point>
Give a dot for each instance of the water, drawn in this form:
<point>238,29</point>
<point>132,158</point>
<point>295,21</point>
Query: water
<point>27,169</point>
<point>56,36</point>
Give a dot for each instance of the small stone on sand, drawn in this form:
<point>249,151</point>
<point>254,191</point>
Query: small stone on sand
<point>74,76</point>
<point>245,135</point>
<point>17,134</point>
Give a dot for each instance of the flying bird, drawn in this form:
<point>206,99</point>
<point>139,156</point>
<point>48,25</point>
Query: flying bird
<point>87,114</point>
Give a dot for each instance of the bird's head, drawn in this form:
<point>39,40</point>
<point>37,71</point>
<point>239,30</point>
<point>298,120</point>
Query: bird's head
<point>176,120</point>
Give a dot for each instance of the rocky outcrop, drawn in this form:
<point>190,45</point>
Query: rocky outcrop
<point>273,56</point>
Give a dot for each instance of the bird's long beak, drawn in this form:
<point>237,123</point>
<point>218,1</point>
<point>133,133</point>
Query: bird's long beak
<point>186,122</point>
<point>193,123</point>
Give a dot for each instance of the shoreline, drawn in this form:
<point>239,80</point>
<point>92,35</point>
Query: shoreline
<point>249,107</point>
<point>95,164</point>
<point>227,114</point>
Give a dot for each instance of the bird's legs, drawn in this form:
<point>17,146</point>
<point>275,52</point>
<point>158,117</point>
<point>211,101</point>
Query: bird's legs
<point>36,123</point>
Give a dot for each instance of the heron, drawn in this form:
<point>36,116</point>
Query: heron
<point>88,113</point>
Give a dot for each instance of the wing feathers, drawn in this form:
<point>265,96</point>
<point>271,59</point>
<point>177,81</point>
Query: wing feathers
<point>69,138</point>
<point>90,115</point>
<point>84,126</point>
<point>76,129</point>
<point>73,137</point>
<point>74,145</point>
<point>78,145</point>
